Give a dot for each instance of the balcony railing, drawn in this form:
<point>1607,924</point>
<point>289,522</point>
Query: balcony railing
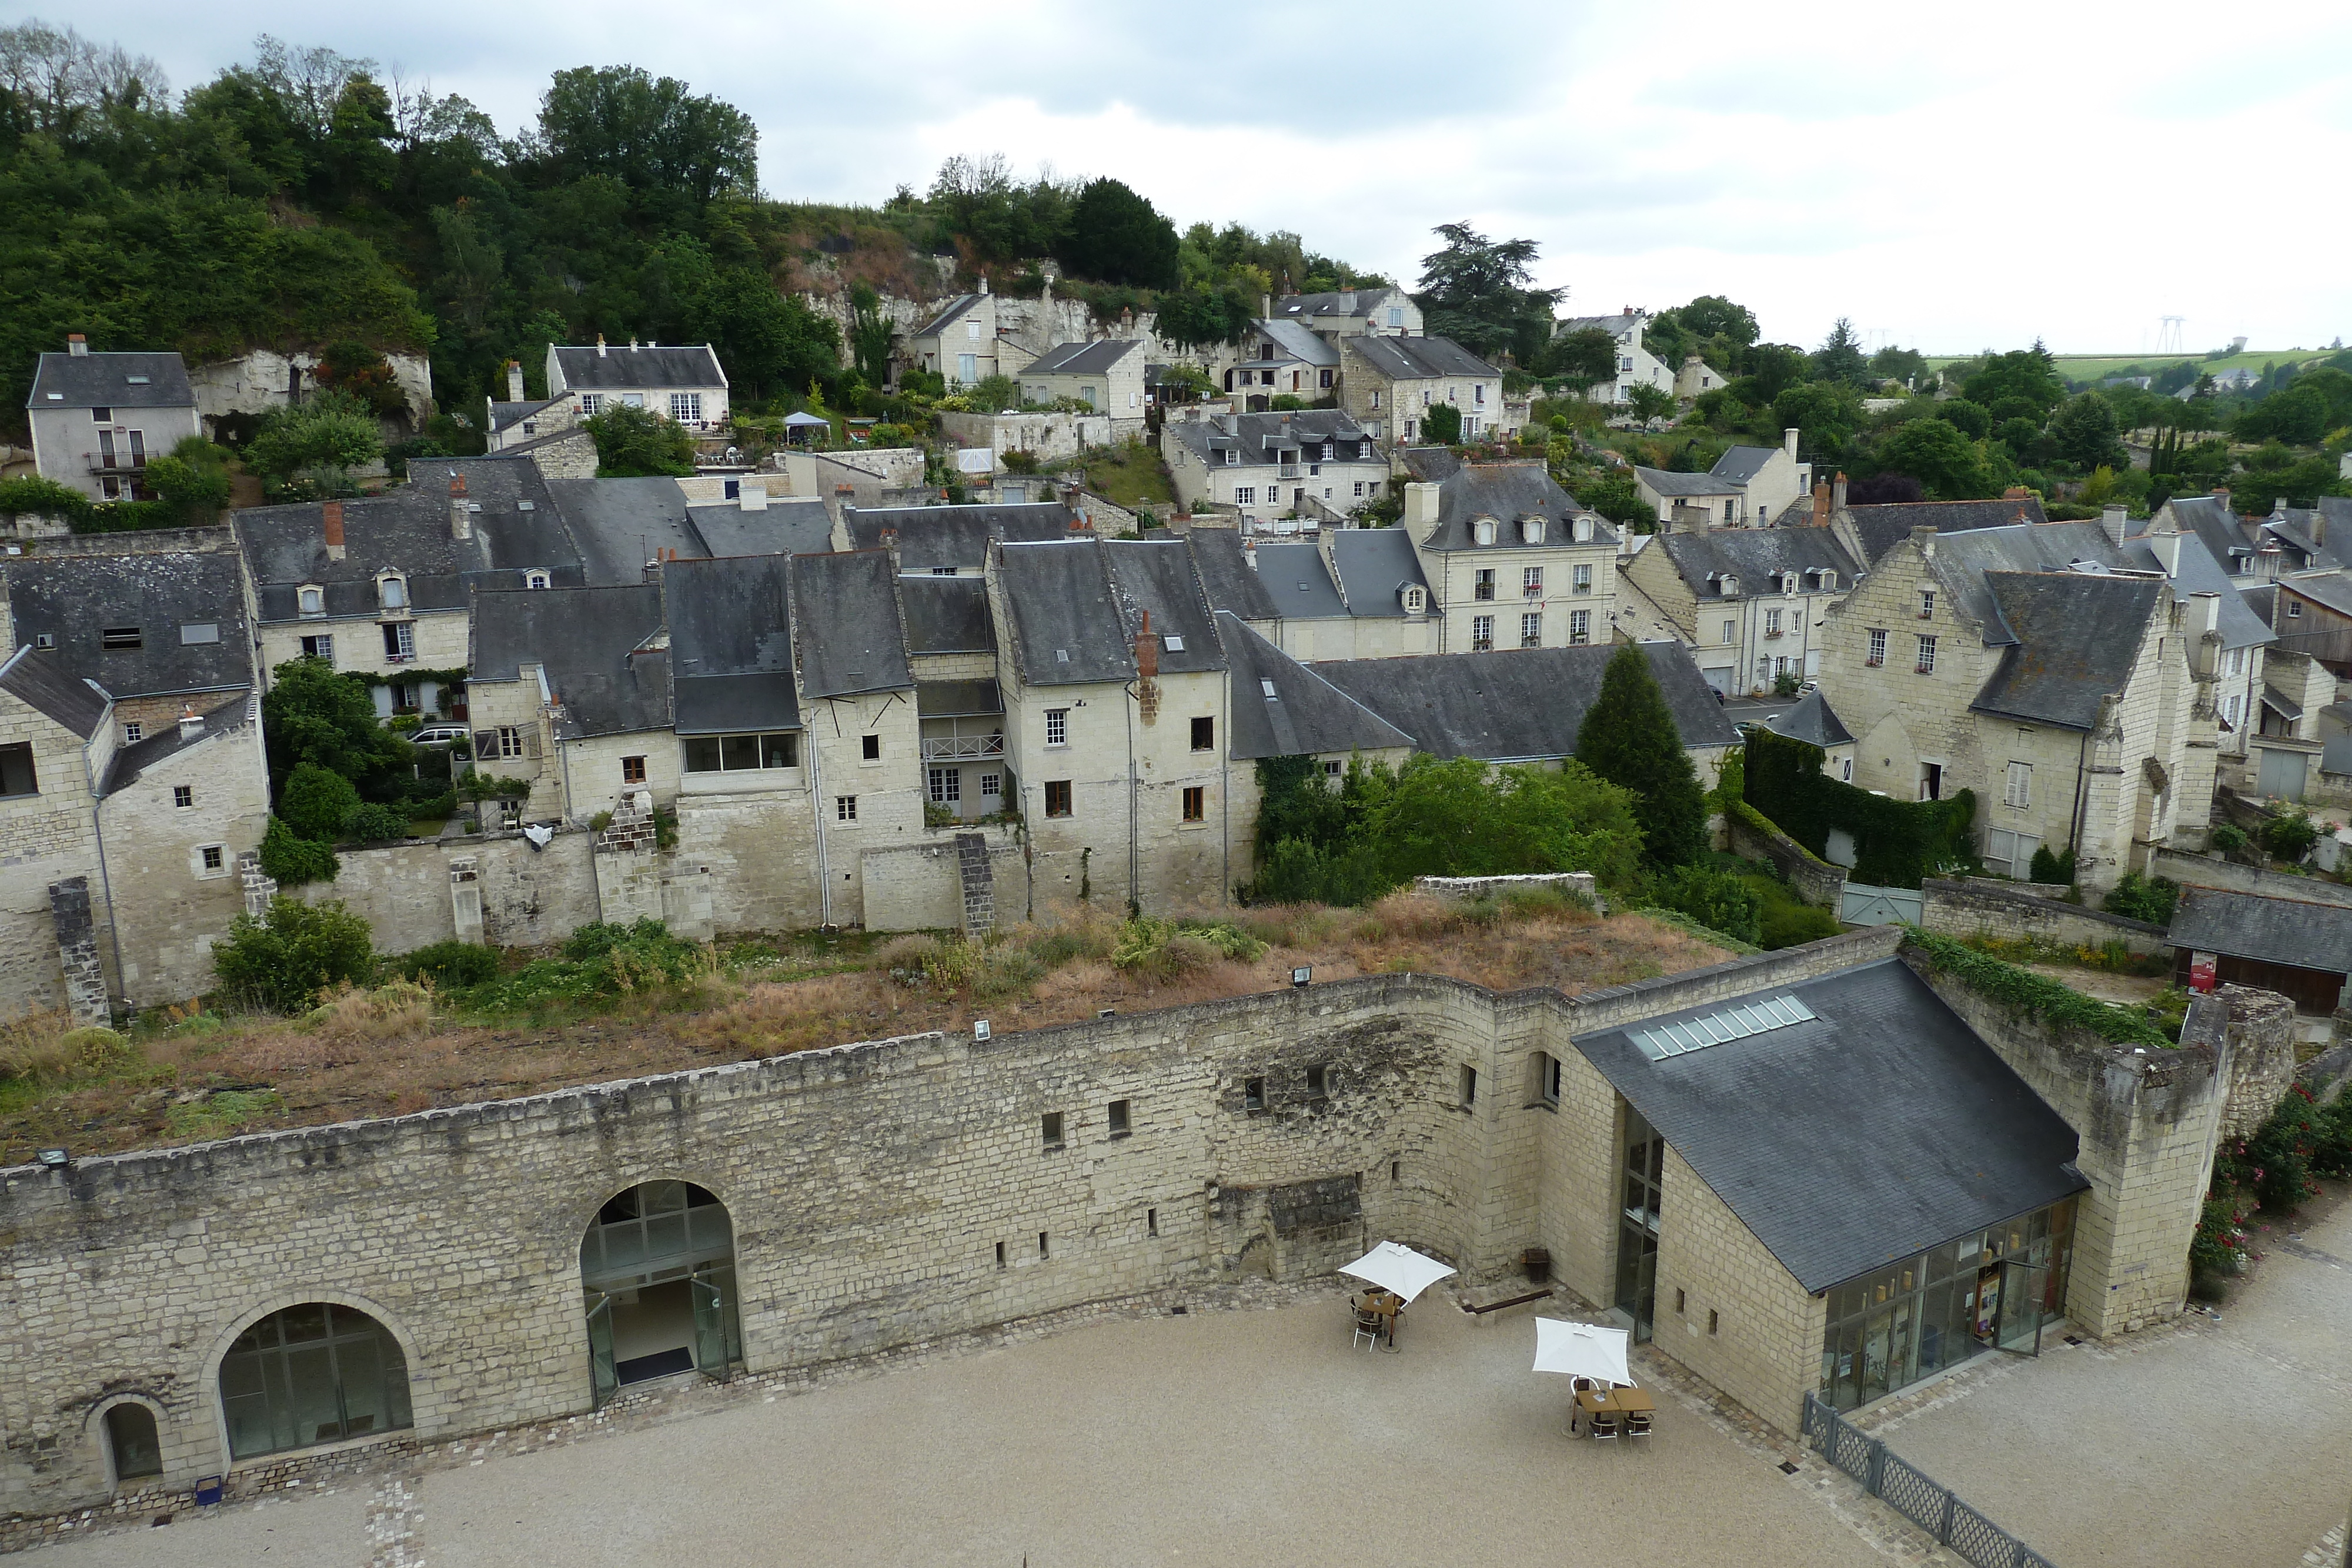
<point>955,748</point>
<point>1290,471</point>
<point>115,462</point>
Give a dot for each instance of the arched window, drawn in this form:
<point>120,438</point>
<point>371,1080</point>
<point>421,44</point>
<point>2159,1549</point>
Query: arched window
<point>313,599</point>
<point>659,1268</point>
<point>392,593</point>
<point>534,580</point>
<point>1583,528</point>
<point>1483,530</point>
<point>131,1443</point>
<point>1413,599</point>
<point>309,1375</point>
<point>1531,529</point>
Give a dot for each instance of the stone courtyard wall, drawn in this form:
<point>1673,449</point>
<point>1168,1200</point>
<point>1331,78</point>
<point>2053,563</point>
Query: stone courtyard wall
<point>1953,908</point>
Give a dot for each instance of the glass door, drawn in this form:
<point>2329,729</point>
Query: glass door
<point>1637,1232</point>
<point>602,1375</point>
<point>716,1349</point>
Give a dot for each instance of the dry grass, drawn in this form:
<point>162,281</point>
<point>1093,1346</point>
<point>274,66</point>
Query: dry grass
<point>397,1050</point>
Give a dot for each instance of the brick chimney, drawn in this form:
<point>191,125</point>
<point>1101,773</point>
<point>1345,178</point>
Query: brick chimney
<point>1821,507</point>
<point>77,345</point>
<point>331,523</point>
<point>461,512</point>
<point>1147,650</point>
<point>514,381</point>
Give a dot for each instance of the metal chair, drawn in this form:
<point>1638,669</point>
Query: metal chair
<point>1368,1328</point>
<point>1605,1427</point>
<point>1637,1425</point>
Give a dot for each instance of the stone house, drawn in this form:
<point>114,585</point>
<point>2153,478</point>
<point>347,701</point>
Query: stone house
<point>522,418</point>
<point>2076,704</point>
<point>1381,311</point>
<point>1749,486</point>
<point>958,340</point>
<point>1695,378</point>
<point>568,688</point>
<point>1749,601</point>
<point>1348,593</point>
<point>1277,358</point>
<point>682,382</point>
<point>378,585</point>
<point>97,419</point>
<point>1511,558</point>
<point>1105,374</point>
<point>1814,722</point>
<point>1282,707</point>
<point>2289,741</point>
<point>1387,383</point>
<point>1317,463</point>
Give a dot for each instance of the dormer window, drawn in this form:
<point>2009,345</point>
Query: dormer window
<point>1483,530</point>
<point>1789,583</point>
<point>313,600</point>
<point>392,592</point>
<point>534,580</point>
<point>1731,585</point>
<point>1232,457</point>
<point>1829,580</point>
<point>1531,529</point>
<point>1415,599</point>
<point>1582,529</point>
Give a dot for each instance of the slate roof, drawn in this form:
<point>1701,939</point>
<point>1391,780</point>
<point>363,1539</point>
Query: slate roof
<point>1523,704</point>
<point>730,643</point>
<point>1962,560</point>
<point>2210,518</point>
<point>2331,590</point>
<point>954,536</point>
<point>1664,482</point>
<point>1507,491</point>
<point>642,365</point>
<point>1259,436</point>
<point>1741,463</point>
<point>1306,716</point>
<point>1618,325</point>
<point>1419,358</point>
<point>1082,358</point>
<point>947,615</point>
<point>408,530</point>
<point>1066,626</point>
<point>619,525</point>
<point>2242,626</point>
<point>1757,557</point>
<point>2274,930</point>
<point>1222,560</point>
<point>1375,566</point>
<point>1881,1128</point>
<point>1882,528</point>
<point>1430,462</point>
<point>847,634</point>
<point>958,700</point>
<point>169,596</point>
<point>2076,637</point>
<point>2261,601</point>
<point>1339,302</point>
<point>47,687</point>
<point>1295,577</point>
<point>2303,529</point>
<point>789,525</point>
<point>507,415</point>
<point>103,381</point>
<point>131,762</point>
<point>1298,340</point>
<point>1156,577</point>
<point>1812,721</point>
<point>946,317</point>
<point>600,646</point>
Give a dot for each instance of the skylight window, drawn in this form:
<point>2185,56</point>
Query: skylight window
<point>1267,687</point>
<point>1717,1027</point>
<point>1175,644</point>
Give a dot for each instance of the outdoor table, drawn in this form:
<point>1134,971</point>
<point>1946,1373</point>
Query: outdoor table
<point>1597,1401</point>
<point>1632,1400</point>
<point>1387,1306</point>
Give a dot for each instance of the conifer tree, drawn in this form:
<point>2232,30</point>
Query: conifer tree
<point>1629,737</point>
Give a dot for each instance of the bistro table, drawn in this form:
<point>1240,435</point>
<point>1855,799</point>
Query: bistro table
<point>1624,1400</point>
<point>1389,1307</point>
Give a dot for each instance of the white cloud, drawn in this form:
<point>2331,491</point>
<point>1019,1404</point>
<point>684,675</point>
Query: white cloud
<point>1957,179</point>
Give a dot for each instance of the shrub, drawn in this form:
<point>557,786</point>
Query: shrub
<point>374,823</point>
<point>2291,836</point>
<point>2138,897</point>
<point>2296,1143</point>
<point>283,960</point>
<point>2229,838</point>
<point>2035,994</point>
<point>449,965</point>
<point>2052,867</point>
<point>97,1048</point>
<point>1789,923</point>
<point>1717,899</point>
<point>294,860</point>
<point>1898,843</point>
<point>316,802</point>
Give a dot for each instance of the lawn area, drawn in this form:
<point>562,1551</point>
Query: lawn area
<point>1129,475</point>
<point>2091,367</point>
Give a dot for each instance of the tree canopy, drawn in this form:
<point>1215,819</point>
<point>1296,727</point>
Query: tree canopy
<point>1629,738</point>
<point>1480,293</point>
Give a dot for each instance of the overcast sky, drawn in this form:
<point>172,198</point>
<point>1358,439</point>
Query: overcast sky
<point>1950,177</point>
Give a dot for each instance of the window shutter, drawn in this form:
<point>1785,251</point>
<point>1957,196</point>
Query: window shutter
<point>531,741</point>
<point>486,743</point>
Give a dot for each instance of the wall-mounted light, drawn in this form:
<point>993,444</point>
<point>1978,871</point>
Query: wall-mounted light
<point>980,1029</point>
<point>1301,975</point>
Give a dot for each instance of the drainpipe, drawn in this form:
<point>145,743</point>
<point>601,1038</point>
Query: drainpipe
<point>2081,756</point>
<point>105,881</point>
<point>1134,880</point>
<point>816,807</point>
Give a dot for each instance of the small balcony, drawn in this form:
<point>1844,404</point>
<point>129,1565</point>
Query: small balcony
<point>124,463</point>
<point>1290,471</point>
<point>963,749</point>
<point>1772,633</point>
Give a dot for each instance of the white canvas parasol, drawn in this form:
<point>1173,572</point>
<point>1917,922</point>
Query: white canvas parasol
<point>1395,1266</point>
<point>1581,1350</point>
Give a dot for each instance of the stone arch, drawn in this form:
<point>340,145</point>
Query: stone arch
<point>97,1429</point>
<point>424,1413</point>
<point>658,1286</point>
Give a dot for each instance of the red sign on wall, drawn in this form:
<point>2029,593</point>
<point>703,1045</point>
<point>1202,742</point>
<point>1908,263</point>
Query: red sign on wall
<point>2203,971</point>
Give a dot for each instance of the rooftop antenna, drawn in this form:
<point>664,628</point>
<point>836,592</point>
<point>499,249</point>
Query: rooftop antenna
<point>2168,335</point>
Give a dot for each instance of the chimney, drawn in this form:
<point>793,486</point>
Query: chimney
<point>1837,494</point>
<point>752,498</point>
<point>2319,523</point>
<point>192,724</point>
<point>1683,518</point>
<point>1147,651</point>
<point>2222,494</point>
<point>1925,537</point>
<point>77,345</point>
<point>2278,506</point>
<point>461,514</point>
<point>984,283</point>
<point>514,381</point>
<point>632,342</point>
<point>1789,442</point>
<point>599,344</point>
<point>2166,548</point>
<point>1821,507</point>
<point>2111,523</point>
<point>1249,553</point>
<point>331,523</point>
<point>1420,500</point>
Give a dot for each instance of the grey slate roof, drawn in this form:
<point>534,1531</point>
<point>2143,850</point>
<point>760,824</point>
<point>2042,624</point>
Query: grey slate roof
<point>2240,624</point>
<point>593,643</point>
<point>1430,462</point>
<point>730,641</point>
<point>1757,557</point>
<point>1295,577</point>
<point>1616,326</point>
<point>2261,601</point>
<point>2274,930</point>
<point>1664,482</point>
<point>1155,577</point>
<point>1375,567</point>
<point>619,525</point>
<point>1222,560</point>
<point>2305,530</point>
<point>1420,359</point>
<point>1066,626</point>
<point>789,525</point>
<point>1876,1130</point>
<point>1741,463</point>
<point>1962,560</point>
<point>1082,358</point>
<point>2224,533</point>
<point>1882,528</point>
<point>169,596</point>
<point>1305,716</point>
<point>2076,639</point>
<point>1507,491</point>
<point>1259,438</point>
<point>507,415</point>
<point>958,700</point>
<point>954,536</point>
<point>1298,341</point>
<point>646,365</point>
<point>847,634</point>
<point>1521,705</point>
<point>947,615</point>
<point>104,381</point>
<point>47,687</point>
<point>1339,302</point>
<point>131,762</point>
<point>2332,589</point>
<point>1812,721</point>
<point>946,316</point>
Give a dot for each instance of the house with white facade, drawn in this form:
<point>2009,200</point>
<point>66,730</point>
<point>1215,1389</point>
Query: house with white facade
<point>1278,358</point>
<point>97,419</point>
<point>1106,375</point>
<point>1513,560</point>
<point>682,382</point>
<point>957,341</point>
<point>1316,465</point>
<point>1380,310</point>
<point>1388,384</point>
<point>1749,601</point>
<point>1636,366</point>
<point>1749,486</point>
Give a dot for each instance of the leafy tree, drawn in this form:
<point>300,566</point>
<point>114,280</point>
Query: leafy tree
<point>316,803</point>
<point>310,714</point>
<point>1839,358</point>
<point>2023,384</point>
<point>1441,425</point>
<point>1461,818</point>
<point>1583,358</point>
<point>1480,293</point>
<point>869,334</point>
<point>1649,403</point>
<point>2082,433</point>
<point>320,439</point>
<point>192,479</point>
<point>1891,363</point>
<point>294,860</point>
<point>1120,237</point>
<point>366,375</point>
<point>1826,413</point>
<point>1718,899</point>
<point>296,950</point>
<point>648,133</point>
<point>1936,454</point>
<point>637,443</point>
<point>991,393</point>
<point>1772,369</point>
<point>1614,495</point>
<point>1968,418</point>
<point>1629,738</point>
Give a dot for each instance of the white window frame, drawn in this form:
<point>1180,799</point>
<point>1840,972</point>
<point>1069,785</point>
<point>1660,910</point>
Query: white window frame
<point>2017,790</point>
<point>1057,726</point>
<point>1926,664</point>
<point>1580,628</point>
<point>1482,633</point>
<point>1531,629</point>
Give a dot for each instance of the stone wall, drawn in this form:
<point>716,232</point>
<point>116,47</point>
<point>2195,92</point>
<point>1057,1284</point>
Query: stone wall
<point>1978,908</point>
<point>2258,1030</point>
<point>1812,878</point>
<point>2200,870</point>
<point>1048,438</point>
<point>919,886</point>
<point>529,898</point>
<point>1580,884</point>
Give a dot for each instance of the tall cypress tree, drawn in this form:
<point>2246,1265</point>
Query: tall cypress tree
<point>1629,737</point>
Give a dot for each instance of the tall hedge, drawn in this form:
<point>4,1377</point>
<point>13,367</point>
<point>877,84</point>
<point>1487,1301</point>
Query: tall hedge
<point>1896,844</point>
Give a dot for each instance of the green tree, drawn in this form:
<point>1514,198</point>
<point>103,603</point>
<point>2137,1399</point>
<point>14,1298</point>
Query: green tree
<point>869,334</point>
<point>637,443</point>
<point>1839,358</point>
<point>1891,363</point>
<point>1936,454</point>
<point>320,440</point>
<point>1718,899</point>
<point>316,803</point>
<point>1118,236</point>
<point>1441,425</point>
<point>1461,818</point>
<point>1584,358</point>
<point>2024,385</point>
<point>1480,293</point>
<point>366,375</point>
<point>1629,738</point>
<point>650,133</point>
<point>1649,403</point>
<point>296,950</point>
<point>2082,433</point>
<point>312,715</point>
<point>1826,413</point>
<point>292,859</point>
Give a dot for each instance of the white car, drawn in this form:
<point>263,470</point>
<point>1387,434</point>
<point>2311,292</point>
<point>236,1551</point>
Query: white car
<point>440,735</point>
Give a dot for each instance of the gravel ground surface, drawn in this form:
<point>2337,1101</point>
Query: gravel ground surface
<point>2203,1442</point>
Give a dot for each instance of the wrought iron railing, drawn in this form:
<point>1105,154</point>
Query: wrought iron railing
<point>1909,1491</point>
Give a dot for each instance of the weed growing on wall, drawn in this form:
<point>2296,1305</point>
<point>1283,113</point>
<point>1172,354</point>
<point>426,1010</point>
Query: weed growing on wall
<point>2035,994</point>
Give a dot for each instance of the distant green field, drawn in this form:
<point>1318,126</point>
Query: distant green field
<point>2091,367</point>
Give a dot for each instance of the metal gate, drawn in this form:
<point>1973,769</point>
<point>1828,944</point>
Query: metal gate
<point>2283,774</point>
<point>1863,904</point>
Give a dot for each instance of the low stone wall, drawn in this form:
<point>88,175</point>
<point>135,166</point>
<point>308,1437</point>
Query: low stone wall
<point>1049,437</point>
<point>1579,883</point>
<point>1975,907</point>
<point>529,898</point>
<point>2198,870</point>
<point>1813,879</point>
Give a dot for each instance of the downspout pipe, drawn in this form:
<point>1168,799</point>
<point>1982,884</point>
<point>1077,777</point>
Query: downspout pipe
<point>2082,764</point>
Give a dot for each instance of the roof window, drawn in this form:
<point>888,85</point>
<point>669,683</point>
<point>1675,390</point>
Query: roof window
<point>1267,687</point>
<point>1175,644</point>
<point>120,639</point>
<point>136,381</point>
<point>195,632</point>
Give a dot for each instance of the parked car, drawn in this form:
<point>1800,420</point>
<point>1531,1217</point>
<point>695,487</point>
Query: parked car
<point>440,735</point>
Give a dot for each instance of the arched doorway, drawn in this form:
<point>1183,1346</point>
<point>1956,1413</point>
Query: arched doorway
<point>658,1267</point>
<point>132,1446</point>
<point>309,1375</point>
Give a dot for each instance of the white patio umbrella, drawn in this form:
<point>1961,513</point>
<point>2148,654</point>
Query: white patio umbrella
<point>1393,1266</point>
<point>1581,1350</point>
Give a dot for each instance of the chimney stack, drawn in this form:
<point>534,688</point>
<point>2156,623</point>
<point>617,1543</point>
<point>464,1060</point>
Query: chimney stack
<point>1421,501</point>
<point>1789,442</point>
<point>1147,651</point>
<point>1265,307</point>
<point>77,345</point>
<point>1821,506</point>
<point>2111,523</point>
<point>514,381</point>
<point>331,523</point>
<point>1924,536</point>
<point>984,283</point>
<point>461,513</point>
<point>192,724</point>
<point>752,498</point>
<point>1837,494</point>
<point>599,344</point>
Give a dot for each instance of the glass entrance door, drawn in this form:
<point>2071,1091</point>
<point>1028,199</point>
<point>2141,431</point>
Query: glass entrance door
<point>716,1340</point>
<point>1643,1171</point>
<point>603,1379</point>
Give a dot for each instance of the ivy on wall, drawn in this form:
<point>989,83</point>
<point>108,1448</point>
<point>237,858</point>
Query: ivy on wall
<point>2042,997</point>
<point>1896,844</point>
